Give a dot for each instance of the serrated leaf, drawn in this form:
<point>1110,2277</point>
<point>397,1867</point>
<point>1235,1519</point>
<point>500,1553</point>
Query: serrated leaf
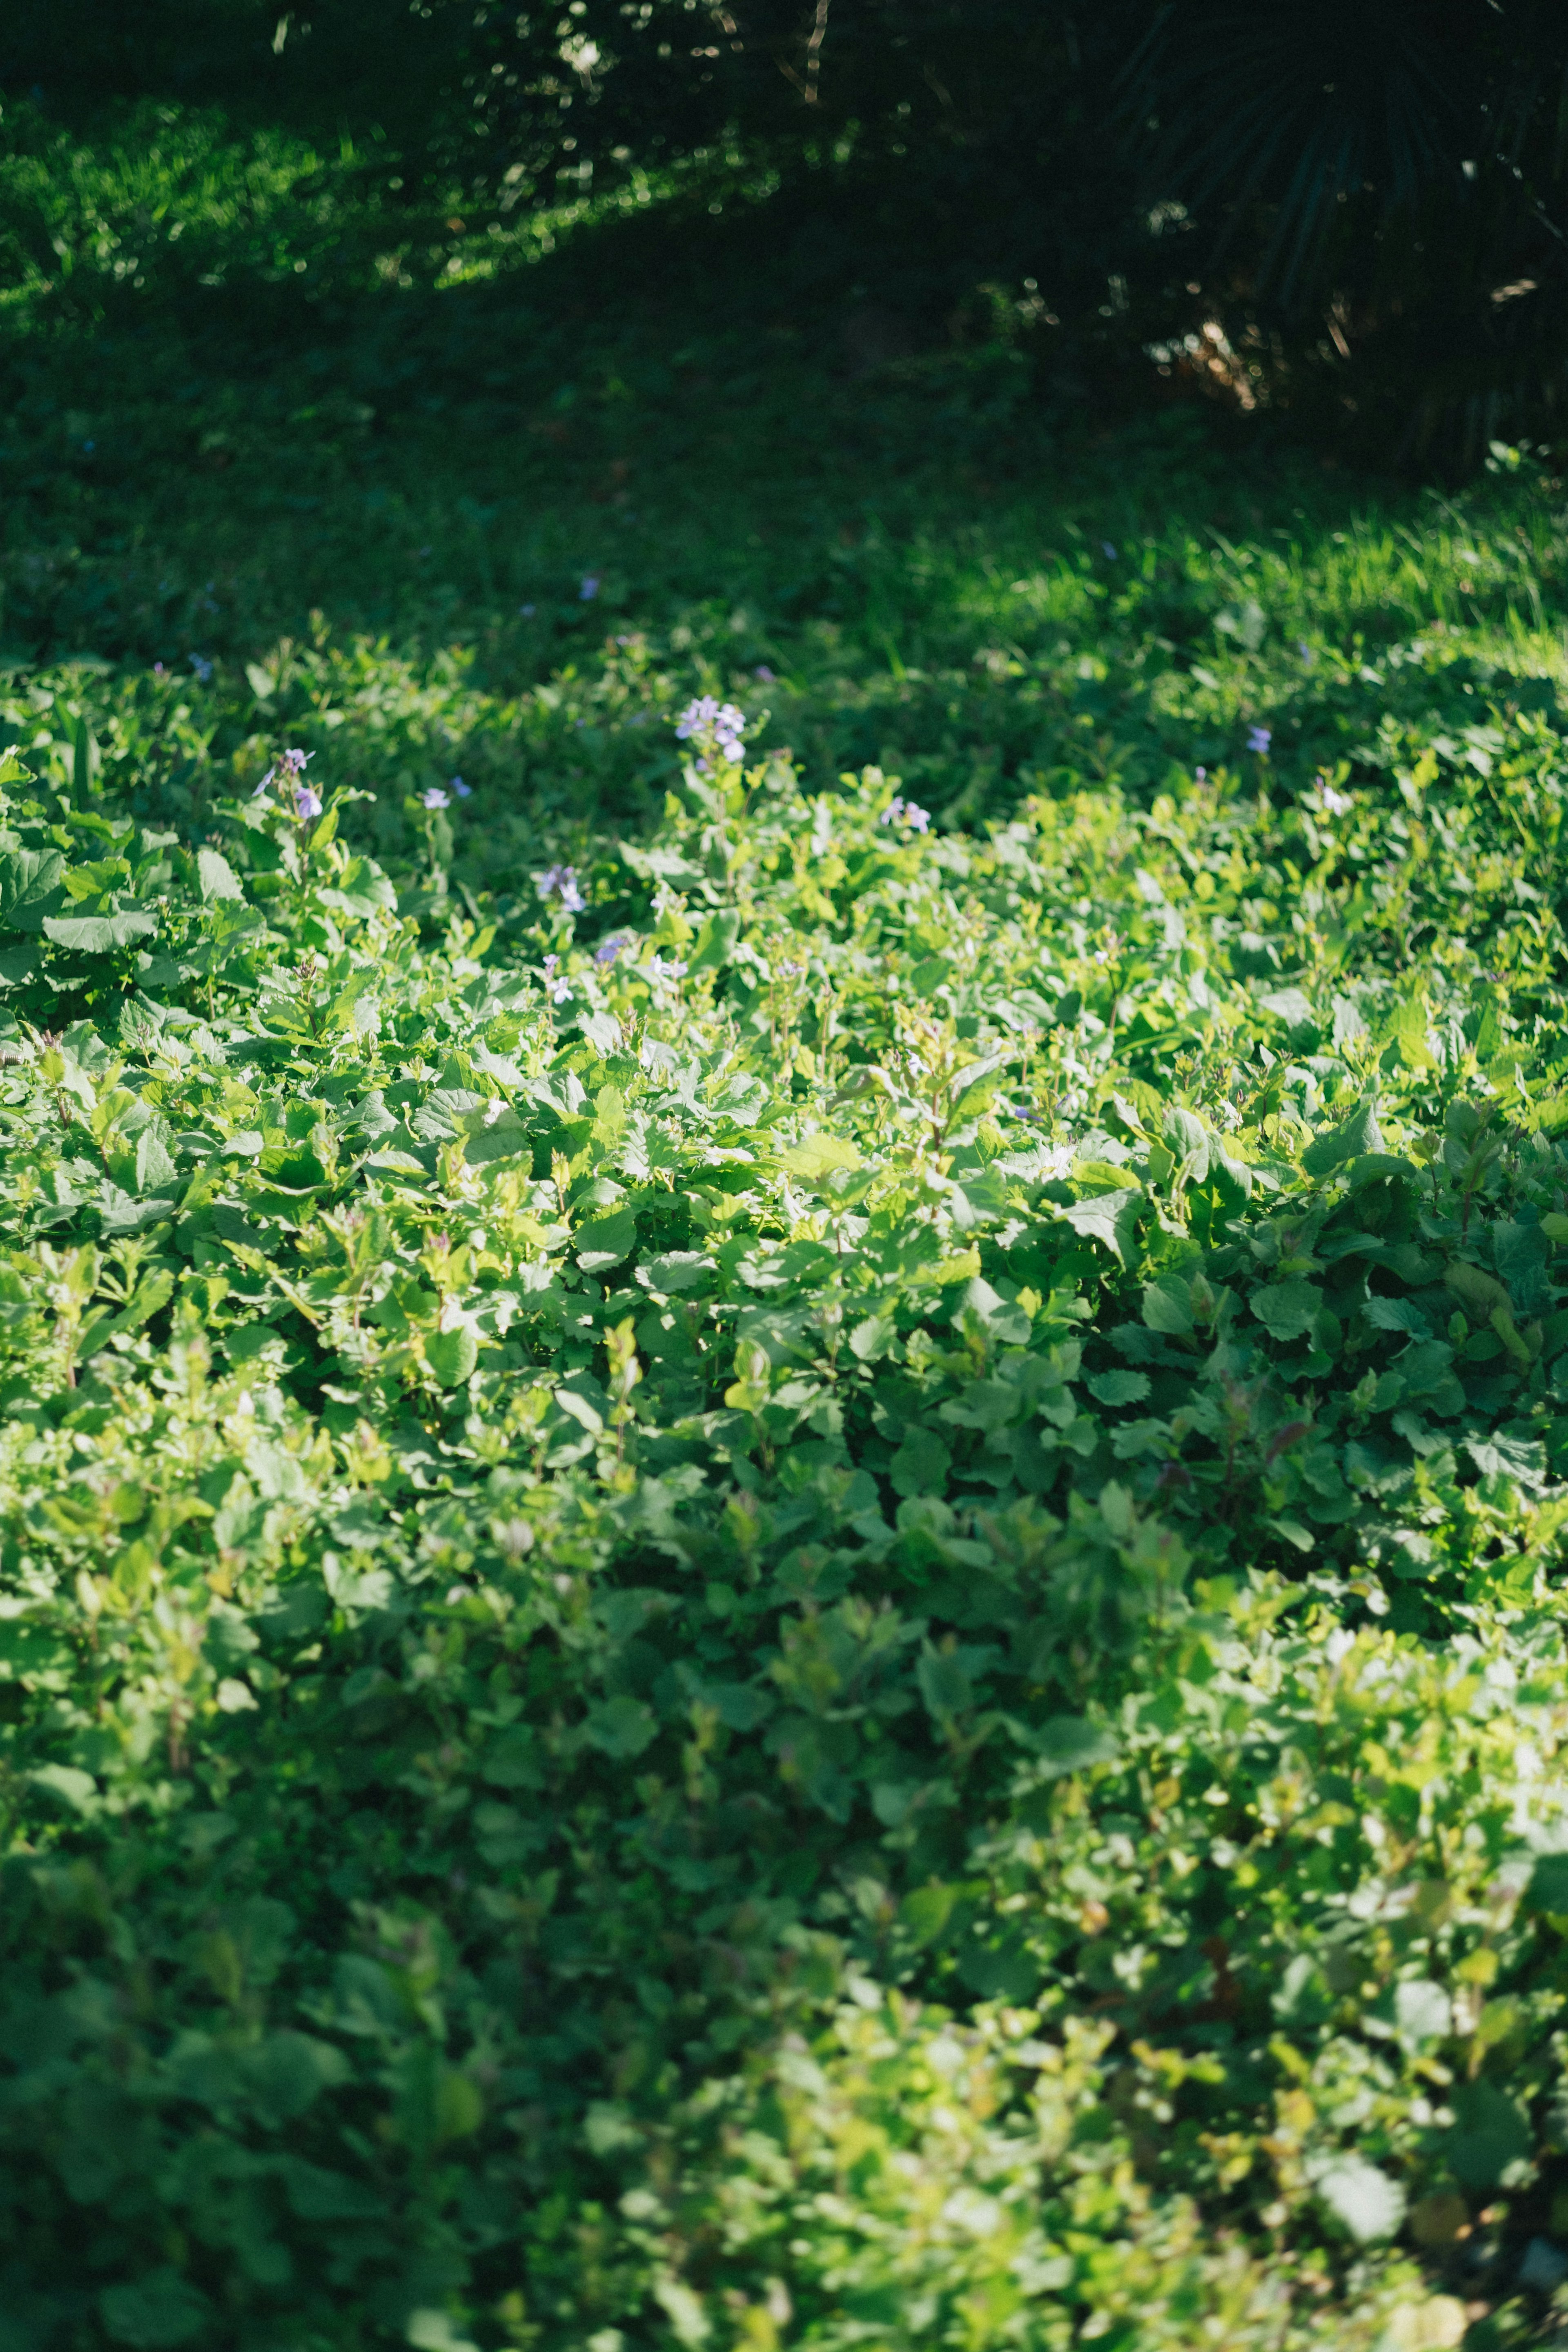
<point>1287,1310</point>
<point>819,1154</point>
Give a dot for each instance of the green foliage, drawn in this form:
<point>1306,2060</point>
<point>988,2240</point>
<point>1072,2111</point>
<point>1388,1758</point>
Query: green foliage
<point>822,1597</point>
<point>775,1571</point>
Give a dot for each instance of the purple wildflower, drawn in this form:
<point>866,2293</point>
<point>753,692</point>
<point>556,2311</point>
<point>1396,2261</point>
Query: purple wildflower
<point>306,802</point>
<point>713,724</point>
<point>1106,550</point>
<point>662,971</point>
<point>589,589</point>
<point>202,667</point>
<point>463,791</point>
<point>297,760</point>
<point>435,798</point>
<point>1202,774</point>
<point>260,792</point>
<point>159,671</point>
<point>1259,739</point>
<point>768,676</point>
<point>910,812</point>
<point>560,882</point>
<point>606,952</point>
<point>558,991</point>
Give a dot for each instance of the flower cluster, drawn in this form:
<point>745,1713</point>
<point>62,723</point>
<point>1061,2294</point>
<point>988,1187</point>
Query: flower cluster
<point>1259,739</point>
<point>560,882</point>
<point>289,771</point>
<point>910,812</point>
<point>715,726</point>
<point>558,989</point>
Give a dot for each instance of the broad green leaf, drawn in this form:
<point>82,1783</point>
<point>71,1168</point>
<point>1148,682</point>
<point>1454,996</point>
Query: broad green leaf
<point>1359,1134</point>
<point>1369,2205</point>
<point>1287,1310</point>
<point>1490,2131</point>
<point>920,1465</point>
<point>160,2308</point>
<point>452,1355</point>
<point>30,881</point>
<point>818,1154</point>
<point>98,934</point>
<point>606,1241</point>
<point>1105,1218</point>
<point>1167,1307</point>
<point>621,1728</point>
<point>217,877</point>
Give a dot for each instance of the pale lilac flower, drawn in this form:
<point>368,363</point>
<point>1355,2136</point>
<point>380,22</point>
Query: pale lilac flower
<point>1259,739</point>
<point>560,882</point>
<point>713,723</point>
<point>159,671</point>
<point>606,952</point>
<point>558,991</point>
<point>1106,550</point>
<point>768,676</point>
<point>662,971</point>
<point>260,792</point>
<point>1330,803</point>
<point>297,760</point>
<point>910,812</point>
<point>306,802</point>
<point>435,798</point>
<point>202,667</point>
<point>463,791</point>
<point>1202,774</point>
<point>589,589</point>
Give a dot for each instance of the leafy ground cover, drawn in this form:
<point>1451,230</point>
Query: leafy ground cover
<point>783,1503</point>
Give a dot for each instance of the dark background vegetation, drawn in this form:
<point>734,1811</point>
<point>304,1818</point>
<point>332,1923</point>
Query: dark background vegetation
<point>1365,201</point>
